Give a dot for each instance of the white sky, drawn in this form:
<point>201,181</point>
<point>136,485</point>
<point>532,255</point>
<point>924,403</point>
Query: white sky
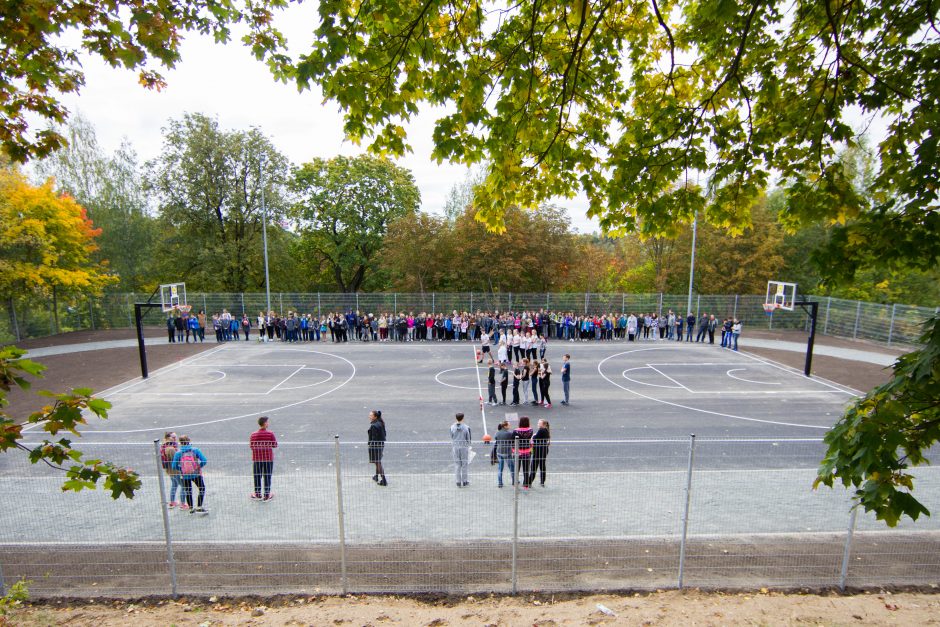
<point>227,83</point>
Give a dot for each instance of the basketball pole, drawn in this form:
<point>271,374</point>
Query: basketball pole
<point>812,312</point>
<point>141,348</point>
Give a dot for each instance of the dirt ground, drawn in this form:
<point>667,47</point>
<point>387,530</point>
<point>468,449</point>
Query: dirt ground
<point>657,608</point>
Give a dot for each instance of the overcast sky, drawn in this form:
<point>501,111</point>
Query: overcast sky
<point>227,83</point>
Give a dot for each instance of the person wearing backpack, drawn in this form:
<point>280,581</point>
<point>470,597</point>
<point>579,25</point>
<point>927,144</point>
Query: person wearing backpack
<point>167,452</point>
<point>189,461</point>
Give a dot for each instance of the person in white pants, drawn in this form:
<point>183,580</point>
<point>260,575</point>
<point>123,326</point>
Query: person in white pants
<point>460,439</point>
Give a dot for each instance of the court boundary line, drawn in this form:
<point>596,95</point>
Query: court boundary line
<point>250,414</point>
<point>687,407</point>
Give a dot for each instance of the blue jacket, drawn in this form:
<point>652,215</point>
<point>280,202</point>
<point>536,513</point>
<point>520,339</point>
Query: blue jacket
<point>179,455</point>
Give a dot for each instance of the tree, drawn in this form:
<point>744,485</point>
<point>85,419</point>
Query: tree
<point>416,251</point>
<point>620,100</point>
<point>46,242</point>
<point>39,63</point>
<point>208,184</point>
<point>344,208</point>
<point>63,416</point>
<point>111,190</point>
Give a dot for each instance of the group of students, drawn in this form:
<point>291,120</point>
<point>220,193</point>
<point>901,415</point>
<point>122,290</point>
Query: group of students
<point>531,326</point>
<point>183,464</point>
<point>529,447</point>
<point>535,374</point>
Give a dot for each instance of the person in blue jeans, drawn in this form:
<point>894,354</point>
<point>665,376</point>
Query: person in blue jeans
<point>502,448</point>
<point>168,450</point>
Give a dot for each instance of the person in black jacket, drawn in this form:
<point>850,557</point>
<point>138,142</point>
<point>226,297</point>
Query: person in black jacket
<point>491,382</point>
<point>541,440</point>
<point>377,445</point>
<point>503,380</point>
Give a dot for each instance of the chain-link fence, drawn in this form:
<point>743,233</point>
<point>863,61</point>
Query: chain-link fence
<point>23,318</point>
<point>637,514</point>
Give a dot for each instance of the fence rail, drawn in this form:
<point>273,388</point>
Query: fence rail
<point>25,318</point>
<point>637,514</point>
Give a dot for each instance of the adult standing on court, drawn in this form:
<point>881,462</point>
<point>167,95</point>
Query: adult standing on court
<point>712,325</point>
<point>736,332</point>
<point>377,445</point>
<point>566,376</point>
<point>460,440</point>
<point>541,440</point>
<point>502,446</point>
<point>189,462</point>
<point>522,437</point>
<point>262,443</point>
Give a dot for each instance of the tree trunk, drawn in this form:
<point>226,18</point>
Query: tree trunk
<point>13,322</point>
<point>55,308</point>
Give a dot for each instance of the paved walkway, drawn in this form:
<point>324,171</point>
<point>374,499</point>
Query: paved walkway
<point>850,354</point>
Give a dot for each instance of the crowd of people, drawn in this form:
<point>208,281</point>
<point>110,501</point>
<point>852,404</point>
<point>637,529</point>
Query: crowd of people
<point>530,326</point>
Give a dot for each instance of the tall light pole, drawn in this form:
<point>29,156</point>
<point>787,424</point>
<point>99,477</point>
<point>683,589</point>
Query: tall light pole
<point>692,264</point>
<point>264,236</point>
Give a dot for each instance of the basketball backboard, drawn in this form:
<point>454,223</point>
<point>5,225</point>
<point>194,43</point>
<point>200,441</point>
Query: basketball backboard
<point>172,295</point>
<point>780,295</point>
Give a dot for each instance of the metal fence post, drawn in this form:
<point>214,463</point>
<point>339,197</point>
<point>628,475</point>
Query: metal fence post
<point>698,305</point>
<point>685,515</point>
<point>91,313</point>
<point>205,307</point>
<point>3,585</point>
<point>340,519</point>
<point>847,552</point>
<point>510,302</point>
<point>660,304</point>
<point>319,313</point>
<point>623,302</point>
<point>395,300</point>
<point>826,324</point>
<point>16,324</point>
<point>433,303</point>
<point>891,327</point>
<point>587,299</point>
<point>280,302</point>
<point>735,314</point>
<point>515,515</point>
<point>471,301</point>
<point>243,303</point>
<point>858,312</point>
<point>168,537</point>
<point>130,316</point>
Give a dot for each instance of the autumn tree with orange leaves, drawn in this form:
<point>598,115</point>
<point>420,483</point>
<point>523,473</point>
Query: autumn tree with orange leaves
<point>46,243</point>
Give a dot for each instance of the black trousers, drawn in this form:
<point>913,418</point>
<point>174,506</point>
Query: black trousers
<point>538,464</point>
<point>262,472</point>
<point>188,483</point>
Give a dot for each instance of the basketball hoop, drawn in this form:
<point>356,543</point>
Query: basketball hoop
<point>770,308</point>
<point>184,309</point>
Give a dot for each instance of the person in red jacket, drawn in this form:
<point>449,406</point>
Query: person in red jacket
<point>262,443</point>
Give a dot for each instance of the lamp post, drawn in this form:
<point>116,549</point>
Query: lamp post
<point>692,264</point>
<point>264,236</point>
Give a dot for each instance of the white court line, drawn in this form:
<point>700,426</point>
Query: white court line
<point>680,406</point>
<point>250,414</point>
<point>285,379</point>
<point>652,367</point>
<point>749,380</point>
<point>110,391</point>
<point>476,364</point>
<point>451,385</point>
<point>310,385</point>
<point>849,391</point>
<point>192,385</point>
<point>654,385</point>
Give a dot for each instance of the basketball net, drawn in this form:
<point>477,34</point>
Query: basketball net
<point>770,308</point>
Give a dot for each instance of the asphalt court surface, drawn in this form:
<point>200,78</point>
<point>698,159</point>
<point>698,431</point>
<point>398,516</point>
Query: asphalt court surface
<point>312,392</point>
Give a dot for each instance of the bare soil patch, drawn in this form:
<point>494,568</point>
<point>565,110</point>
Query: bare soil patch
<point>657,608</point>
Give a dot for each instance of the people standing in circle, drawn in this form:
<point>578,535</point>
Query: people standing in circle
<point>377,445</point>
<point>541,440</point>
<point>502,446</point>
<point>566,377</point>
<point>168,450</point>
<point>522,437</point>
<point>189,462</point>
<point>262,443</point>
<point>460,440</point>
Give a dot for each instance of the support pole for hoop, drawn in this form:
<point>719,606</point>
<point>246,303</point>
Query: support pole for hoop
<point>812,312</point>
